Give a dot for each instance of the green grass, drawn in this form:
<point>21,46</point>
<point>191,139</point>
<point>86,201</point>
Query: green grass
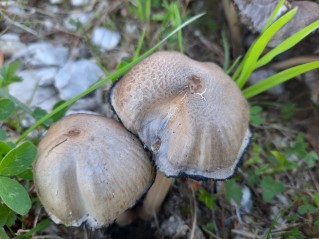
<point>253,59</point>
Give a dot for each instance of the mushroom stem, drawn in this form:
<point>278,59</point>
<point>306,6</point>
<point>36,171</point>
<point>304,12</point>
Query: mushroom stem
<point>156,195</point>
<point>151,203</point>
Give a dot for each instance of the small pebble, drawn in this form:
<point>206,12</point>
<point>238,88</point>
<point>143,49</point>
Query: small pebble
<point>10,43</point>
<point>105,38</point>
<point>81,17</point>
<point>79,3</point>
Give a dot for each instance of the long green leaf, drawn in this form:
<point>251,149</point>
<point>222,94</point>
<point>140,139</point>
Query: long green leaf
<point>111,77</point>
<point>273,15</point>
<point>269,22</point>
<point>288,43</point>
<point>139,45</point>
<point>279,78</point>
<point>226,50</point>
<point>235,63</point>
<point>259,45</point>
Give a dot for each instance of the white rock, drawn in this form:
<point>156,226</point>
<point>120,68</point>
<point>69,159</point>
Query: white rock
<point>10,43</point>
<point>81,17</point>
<point>87,103</point>
<point>246,202</point>
<point>48,24</point>
<point>15,9</point>
<point>55,1</point>
<point>43,54</point>
<point>78,3</point>
<point>30,93</point>
<point>46,75</point>
<point>51,9</point>
<point>76,77</point>
<point>105,38</point>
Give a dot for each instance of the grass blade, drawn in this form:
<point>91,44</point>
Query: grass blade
<point>259,45</point>
<point>226,51</point>
<point>235,63</point>
<point>288,43</point>
<point>179,22</point>
<point>139,45</point>
<point>279,78</point>
<point>111,77</point>
<point>273,15</point>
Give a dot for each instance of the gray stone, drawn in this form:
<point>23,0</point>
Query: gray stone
<point>10,43</point>
<point>259,75</point>
<point>43,54</point>
<point>81,17</point>
<point>105,38</point>
<point>56,1</point>
<point>30,93</point>
<point>76,77</point>
<point>78,3</point>
<point>46,75</point>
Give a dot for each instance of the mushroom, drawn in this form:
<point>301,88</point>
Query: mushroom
<point>89,170</point>
<point>189,114</point>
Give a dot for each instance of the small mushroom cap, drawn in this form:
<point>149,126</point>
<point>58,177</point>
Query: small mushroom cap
<point>190,114</point>
<point>89,170</point>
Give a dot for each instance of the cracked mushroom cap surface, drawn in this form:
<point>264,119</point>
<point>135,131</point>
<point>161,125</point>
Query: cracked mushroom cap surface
<point>190,114</point>
<point>89,170</point>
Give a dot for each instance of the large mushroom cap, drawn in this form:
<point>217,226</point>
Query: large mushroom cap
<point>89,170</point>
<point>190,114</point>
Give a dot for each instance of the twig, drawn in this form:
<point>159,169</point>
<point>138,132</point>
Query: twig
<point>211,46</point>
<point>17,24</point>
<point>284,228</point>
<point>314,180</point>
<point>294,61</point>
<point>47,236</point>
<point>245,234</point>
<point>211,234</point>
